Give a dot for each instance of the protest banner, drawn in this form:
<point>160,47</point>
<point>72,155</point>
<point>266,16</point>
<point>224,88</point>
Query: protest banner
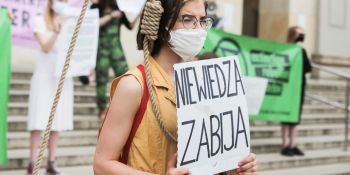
<point>213,124</point>
<point>24,12</point>
<point>280,63</point>
<point>5,73</point>
<point>85,51</point>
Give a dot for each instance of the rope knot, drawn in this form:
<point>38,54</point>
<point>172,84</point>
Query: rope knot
<point>151,17</point>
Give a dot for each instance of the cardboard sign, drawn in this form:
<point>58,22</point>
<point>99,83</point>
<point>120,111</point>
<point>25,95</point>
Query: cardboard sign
<point>85,51</point>
<point>213,125</point>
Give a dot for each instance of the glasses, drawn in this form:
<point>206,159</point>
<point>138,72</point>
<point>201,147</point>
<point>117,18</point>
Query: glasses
<point>191,22</point>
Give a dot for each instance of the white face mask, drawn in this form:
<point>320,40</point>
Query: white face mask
<point>187,43</point>
<point>59,7</point>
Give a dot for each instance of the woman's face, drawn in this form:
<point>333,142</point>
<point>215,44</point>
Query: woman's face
<point>192,9</point>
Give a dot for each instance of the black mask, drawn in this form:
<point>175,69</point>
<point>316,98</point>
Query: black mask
<point>300,38</point>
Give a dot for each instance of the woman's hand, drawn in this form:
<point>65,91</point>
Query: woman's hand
<point>172,170</point>
<point>59,21</point>
<point>248,166</point>
<point>116,14</point>
<point>11,16</point>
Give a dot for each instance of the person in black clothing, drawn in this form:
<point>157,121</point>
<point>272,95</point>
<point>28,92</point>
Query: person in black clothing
<point>110,52</point>
<point>295,35</point>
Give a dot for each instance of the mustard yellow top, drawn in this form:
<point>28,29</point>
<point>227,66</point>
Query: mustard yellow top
<point>150,150</point>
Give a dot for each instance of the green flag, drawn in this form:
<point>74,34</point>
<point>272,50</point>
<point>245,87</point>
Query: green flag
<point>280,63</point>
<point>5,72</point>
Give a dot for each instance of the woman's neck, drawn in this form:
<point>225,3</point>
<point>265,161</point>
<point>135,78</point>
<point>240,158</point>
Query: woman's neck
<point>166,59</point>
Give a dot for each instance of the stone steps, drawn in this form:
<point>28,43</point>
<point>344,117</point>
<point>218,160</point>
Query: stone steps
<point>24,84</point>
<point>17,96</point>
<point>273,145</point>
<point>75,170</point>
<point>19,123</point>
<point>79,109</point>
<point>332,169</point>
<point>274,161</point>
<point>66,156</point>
<point>20,140</point>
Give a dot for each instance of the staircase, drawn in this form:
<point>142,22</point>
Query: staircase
<point>321,134</point>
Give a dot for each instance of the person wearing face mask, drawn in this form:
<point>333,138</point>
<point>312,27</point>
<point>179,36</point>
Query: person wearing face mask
<point>138,135</point>
<point>296,35</point>
<point>110,52</point>
<point>44,82</point>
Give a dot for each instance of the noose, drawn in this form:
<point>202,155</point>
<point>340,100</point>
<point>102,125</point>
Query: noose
<point>149,27</point>
<point>73,41</point>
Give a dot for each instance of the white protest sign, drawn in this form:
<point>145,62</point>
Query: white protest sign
<point>85,51</point>
<point>132,8</point>
<point>255,89</point>
<point>213,125</point>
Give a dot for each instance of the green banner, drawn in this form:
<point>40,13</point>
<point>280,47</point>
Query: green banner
<point>5,73</point>
<point>280,63</point>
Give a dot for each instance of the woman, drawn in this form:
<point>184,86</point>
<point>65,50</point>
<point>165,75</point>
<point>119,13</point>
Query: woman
<point>289,131</point>
<point>110,51</point>
<point>44,83</point>
<point>150,149</point>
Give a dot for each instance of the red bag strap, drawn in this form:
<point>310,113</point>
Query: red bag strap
<point>138,118</point>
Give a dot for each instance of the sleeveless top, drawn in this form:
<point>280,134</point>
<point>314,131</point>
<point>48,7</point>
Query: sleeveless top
<point>150,150</point>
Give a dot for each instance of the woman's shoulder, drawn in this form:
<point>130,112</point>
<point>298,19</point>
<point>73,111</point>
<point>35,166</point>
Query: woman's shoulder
<point>132,80</point>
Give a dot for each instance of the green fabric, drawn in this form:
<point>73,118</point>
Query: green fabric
<point>280,63</point>
<point>5,72</point>
<point>110,54</point>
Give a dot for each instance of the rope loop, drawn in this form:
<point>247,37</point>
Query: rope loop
<point>151,18</point>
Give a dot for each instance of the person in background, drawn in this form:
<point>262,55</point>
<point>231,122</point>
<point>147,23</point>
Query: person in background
<point>296,35</point>
<point>152,150</point>
<point>43,86</point>
<point>110,52</point>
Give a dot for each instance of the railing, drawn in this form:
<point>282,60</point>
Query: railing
<point>335,104</point>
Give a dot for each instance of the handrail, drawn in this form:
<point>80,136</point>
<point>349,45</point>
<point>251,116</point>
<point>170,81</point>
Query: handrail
<point>331,71</point>
<point>327,101</point>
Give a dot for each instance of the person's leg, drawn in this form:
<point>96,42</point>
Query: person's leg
<point>54,135</point>
<point>286,150</point>
<point>52,147</point>
<point>293,145</point>
<point>34,144</point>
<point>285,136</point>
<point>102,66</point>
<point>118,61</point>
<point>292,135</point>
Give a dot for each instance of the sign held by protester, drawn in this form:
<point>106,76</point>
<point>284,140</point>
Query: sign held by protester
<point>213,124</point>
<point>85,51</point>
<point>131,8</point>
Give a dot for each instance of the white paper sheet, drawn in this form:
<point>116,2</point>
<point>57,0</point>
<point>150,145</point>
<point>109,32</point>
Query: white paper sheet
<point>255,93</point>
<point>85,51</point>
<point>131,6</point>
<point>213,125</point>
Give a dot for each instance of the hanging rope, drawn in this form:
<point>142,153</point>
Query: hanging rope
<point>149,27</point>
<point>46,136</point>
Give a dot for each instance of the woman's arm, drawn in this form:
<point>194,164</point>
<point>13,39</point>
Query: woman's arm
<point>105,19</point>
<point>117,125</point>
<point>46,44</point>
<point>116,129</point>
